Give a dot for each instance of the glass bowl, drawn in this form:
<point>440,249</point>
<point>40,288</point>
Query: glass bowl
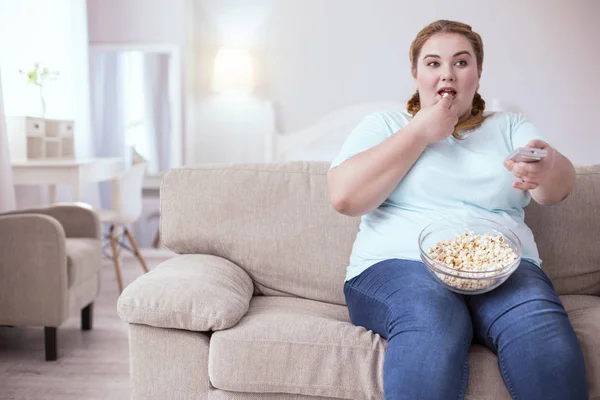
<point>468,282</point>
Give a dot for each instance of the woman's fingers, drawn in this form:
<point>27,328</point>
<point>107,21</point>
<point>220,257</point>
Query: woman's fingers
<point>525,185</point>
<point>524,170</point>
<point>527,173</point>
<point>537,144</point>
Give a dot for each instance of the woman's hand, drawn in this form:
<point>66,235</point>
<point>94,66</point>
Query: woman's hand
<point>435,123</point>
<point>532,174</point>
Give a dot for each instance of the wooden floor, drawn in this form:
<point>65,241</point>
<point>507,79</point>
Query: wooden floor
<point>91,365</point>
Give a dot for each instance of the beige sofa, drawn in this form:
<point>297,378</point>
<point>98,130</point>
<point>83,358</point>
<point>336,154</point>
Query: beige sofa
<point>253,307</point>
<point>50,260</point>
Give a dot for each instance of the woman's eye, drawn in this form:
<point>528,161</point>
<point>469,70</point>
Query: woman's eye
<point>461,63</point>
<point>433,64</point>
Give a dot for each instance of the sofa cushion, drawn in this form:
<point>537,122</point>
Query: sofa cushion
<point>291,345</point>
<point>276,347</point>
<point>84,259</point>
<point>193,292</point>
<point>584,314</point>
<point>216,394</point>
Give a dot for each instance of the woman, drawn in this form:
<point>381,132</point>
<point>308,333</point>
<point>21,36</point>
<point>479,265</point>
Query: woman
<point>444,158</point>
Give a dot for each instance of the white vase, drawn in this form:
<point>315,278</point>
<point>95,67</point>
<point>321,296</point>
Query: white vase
<point>42,105</point>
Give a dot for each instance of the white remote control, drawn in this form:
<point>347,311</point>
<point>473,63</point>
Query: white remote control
<point>528,154</point>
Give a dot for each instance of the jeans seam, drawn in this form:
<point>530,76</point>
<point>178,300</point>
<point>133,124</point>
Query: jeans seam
<point>505,376</point>
<point>465,379</point>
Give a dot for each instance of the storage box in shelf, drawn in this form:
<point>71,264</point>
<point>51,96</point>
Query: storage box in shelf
<point>35,138</point>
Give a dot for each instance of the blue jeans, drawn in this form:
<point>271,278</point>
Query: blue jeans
<point>429,330</point>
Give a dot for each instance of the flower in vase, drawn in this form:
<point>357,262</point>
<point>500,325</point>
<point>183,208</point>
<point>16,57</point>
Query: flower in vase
<point>39,77</point>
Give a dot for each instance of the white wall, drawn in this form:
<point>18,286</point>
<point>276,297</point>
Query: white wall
<point>136,21</point>
<point>315,56</point>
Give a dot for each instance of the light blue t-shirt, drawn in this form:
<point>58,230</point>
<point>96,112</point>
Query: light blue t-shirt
<point>452,178</point>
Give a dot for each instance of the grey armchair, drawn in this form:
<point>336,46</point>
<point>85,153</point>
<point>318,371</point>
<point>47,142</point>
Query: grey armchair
<point>50,261</point>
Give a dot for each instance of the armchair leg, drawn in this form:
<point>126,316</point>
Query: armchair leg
<point>135,249</point>
<point>113,245</point>
<point>50,343</point>
<point>87,315</point>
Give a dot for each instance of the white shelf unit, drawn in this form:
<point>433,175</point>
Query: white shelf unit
<point>38,138</point>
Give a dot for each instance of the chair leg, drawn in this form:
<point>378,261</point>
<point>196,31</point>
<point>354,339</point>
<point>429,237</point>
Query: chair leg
<point>135,249</point>
<point>50,343</point>
<point>113,244</point>
<point>87,315</point>
<point>156,241</point>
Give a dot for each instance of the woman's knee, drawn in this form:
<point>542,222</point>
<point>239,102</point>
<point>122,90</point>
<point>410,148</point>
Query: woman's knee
<point>428,342</point>
<point>545,364</point>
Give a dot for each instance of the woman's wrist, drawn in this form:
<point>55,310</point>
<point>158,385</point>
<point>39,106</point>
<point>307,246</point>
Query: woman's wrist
<point>412,132</point>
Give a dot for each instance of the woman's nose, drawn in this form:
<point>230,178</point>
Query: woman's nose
<point>448,76</point>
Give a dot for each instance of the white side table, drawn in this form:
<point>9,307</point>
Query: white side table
<point>64,171</point>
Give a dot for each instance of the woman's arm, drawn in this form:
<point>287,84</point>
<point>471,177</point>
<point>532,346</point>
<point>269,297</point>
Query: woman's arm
<point>557,183</point>
<point>549,180</point>
<point>362,182</point>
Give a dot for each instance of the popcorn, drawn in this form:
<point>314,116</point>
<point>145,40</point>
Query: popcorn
<point>471,255</point>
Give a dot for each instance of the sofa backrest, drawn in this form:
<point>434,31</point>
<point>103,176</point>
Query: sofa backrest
<point>568,235</point>
<point>275,221</point>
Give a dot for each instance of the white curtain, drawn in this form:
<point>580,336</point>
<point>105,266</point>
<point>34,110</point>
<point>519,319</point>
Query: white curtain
<point>108,117</point>
<point>157,116</point>
<point>7,191</point>
<point>111,90</point>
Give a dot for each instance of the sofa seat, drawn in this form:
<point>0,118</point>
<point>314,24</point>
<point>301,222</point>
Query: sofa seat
<point>584,314</point>
<point>79,265</point>
<point>292,345</point>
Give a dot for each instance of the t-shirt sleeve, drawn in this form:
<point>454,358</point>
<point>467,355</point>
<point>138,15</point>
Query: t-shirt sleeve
<point>523,131</point>
<point>371,131</point>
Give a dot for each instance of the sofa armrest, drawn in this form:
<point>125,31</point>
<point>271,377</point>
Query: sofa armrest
<point>192,292</point>
<point>33,271</point>
<point>77,219</point>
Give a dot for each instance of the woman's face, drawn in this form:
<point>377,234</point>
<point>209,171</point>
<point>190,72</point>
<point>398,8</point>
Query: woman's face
<point>447,63</point>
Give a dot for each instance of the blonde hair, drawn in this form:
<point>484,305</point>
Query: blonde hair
<point>444,26</point>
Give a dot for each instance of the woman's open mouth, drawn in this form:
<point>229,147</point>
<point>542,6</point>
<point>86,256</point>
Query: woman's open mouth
<point>450,91</point>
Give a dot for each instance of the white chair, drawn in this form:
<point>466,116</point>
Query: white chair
<point>126,208</point>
